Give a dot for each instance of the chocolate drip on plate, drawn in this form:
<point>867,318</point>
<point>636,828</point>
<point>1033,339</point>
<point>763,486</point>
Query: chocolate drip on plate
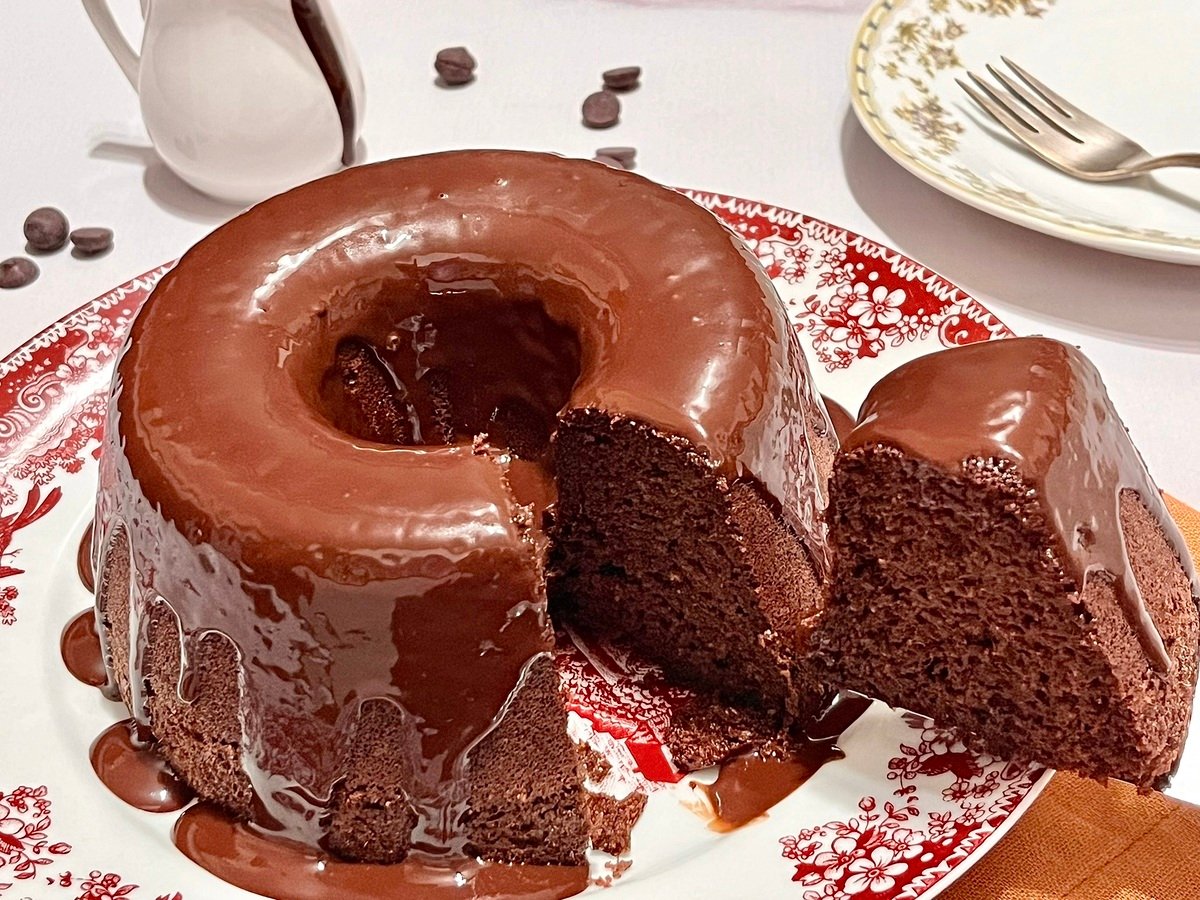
<point>80,648</point>
<point>239,854</point>
<point>131,767</point>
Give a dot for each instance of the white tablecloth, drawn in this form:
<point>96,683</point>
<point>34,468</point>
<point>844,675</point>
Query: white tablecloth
<point>748,98</point>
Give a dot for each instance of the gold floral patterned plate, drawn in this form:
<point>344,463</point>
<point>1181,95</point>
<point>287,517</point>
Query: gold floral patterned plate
<point>1132,65</point>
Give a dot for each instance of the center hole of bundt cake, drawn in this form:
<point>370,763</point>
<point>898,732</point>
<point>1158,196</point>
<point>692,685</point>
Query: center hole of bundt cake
<point>454,365</point>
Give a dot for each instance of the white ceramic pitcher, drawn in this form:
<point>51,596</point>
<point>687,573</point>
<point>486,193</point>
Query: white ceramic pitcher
<point>242,98</point>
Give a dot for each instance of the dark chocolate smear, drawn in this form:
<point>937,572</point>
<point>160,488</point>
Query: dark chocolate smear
<point>315,30</point>
<point>81,652</point>
<point>244,857</point>
<point>134,770</point>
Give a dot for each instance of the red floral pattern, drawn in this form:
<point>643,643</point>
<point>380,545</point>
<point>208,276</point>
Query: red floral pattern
<point>25,847</point>
<point>52,402</point>
<point>847,296</point>
<point>100,886</point>
<point>53,390</point>
<point>850,295</point>
<point>892,850</point>
<point>33,509</point>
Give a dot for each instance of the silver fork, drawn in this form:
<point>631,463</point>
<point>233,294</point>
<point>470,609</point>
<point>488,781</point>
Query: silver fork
<point>1061,133</point>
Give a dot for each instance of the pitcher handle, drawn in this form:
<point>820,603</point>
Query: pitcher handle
<point>106,25</point>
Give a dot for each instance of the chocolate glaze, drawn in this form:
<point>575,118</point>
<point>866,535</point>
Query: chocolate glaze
<point>755,779</point>
<point>343,569</point>
<point>1041,406</point>
<point>237,853</point>
<point>83,559</point>
<point>839,416</point>
<point>315,30</point>
<point>80,648</point>
<point>466,361</point>
<point>131,767</point>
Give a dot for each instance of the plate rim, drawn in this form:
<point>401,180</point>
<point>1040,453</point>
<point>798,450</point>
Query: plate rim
<point>862,102</point>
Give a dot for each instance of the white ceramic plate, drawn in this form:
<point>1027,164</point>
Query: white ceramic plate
<point>905,813</point>
<point>1131,65</point>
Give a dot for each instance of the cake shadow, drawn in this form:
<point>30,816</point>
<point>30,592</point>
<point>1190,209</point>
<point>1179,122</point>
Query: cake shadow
<point>170,192</point>
<point>1123,298</point>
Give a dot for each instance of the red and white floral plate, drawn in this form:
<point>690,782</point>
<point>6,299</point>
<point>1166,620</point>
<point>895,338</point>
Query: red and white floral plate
<point>906,811</point>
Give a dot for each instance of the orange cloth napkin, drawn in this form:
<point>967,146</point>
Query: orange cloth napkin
<point>1082,840</point>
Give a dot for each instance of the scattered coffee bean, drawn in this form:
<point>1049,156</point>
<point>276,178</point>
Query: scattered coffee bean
<point>625,78</point>
<point>17,272</point>
<point>601,110</point>
<point>456,65</point>
<point>608,161</point>
<point>46,229</point>
<point>90,241</point>
<point>623,155</point>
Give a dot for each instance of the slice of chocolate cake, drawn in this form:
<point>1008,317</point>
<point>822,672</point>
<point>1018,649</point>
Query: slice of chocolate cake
<point>1004,563</point>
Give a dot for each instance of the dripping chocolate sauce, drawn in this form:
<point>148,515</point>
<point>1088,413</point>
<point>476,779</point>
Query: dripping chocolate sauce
<point>83,560</point>
<point>129,764</point>
<point>235,852</point>
<point>313,27</point>
<point>755,779</point>
<point>80,648</point>
<point>80,642</point>
<point>131,767</point>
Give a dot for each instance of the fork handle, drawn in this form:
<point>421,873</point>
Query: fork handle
<point>1191,160</point>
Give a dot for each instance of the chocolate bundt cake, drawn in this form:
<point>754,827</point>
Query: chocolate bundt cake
<point>355,430</point>
<point>1004,564</point>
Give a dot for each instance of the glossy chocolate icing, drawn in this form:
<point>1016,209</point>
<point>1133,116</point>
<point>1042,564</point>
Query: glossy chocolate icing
<point>315,31</point>
<point>345,569</point>
<point>1040,406</point>
<point>463,362</point>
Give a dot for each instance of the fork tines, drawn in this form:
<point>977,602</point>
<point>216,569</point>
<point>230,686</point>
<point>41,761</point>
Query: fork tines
<point>1046,106</point>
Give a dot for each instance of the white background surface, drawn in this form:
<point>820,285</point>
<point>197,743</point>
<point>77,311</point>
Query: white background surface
<point>745,98</point>
<point>1126,49</point>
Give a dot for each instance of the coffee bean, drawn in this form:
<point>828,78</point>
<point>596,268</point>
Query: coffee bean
<point>46,229</point>
<point>623,155</point>
<point>456,65</point>
<point>608,161</point>
<point>17,272</point>
<point>625,78</point>
<point>90,241</point>
<point>601,110</point>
